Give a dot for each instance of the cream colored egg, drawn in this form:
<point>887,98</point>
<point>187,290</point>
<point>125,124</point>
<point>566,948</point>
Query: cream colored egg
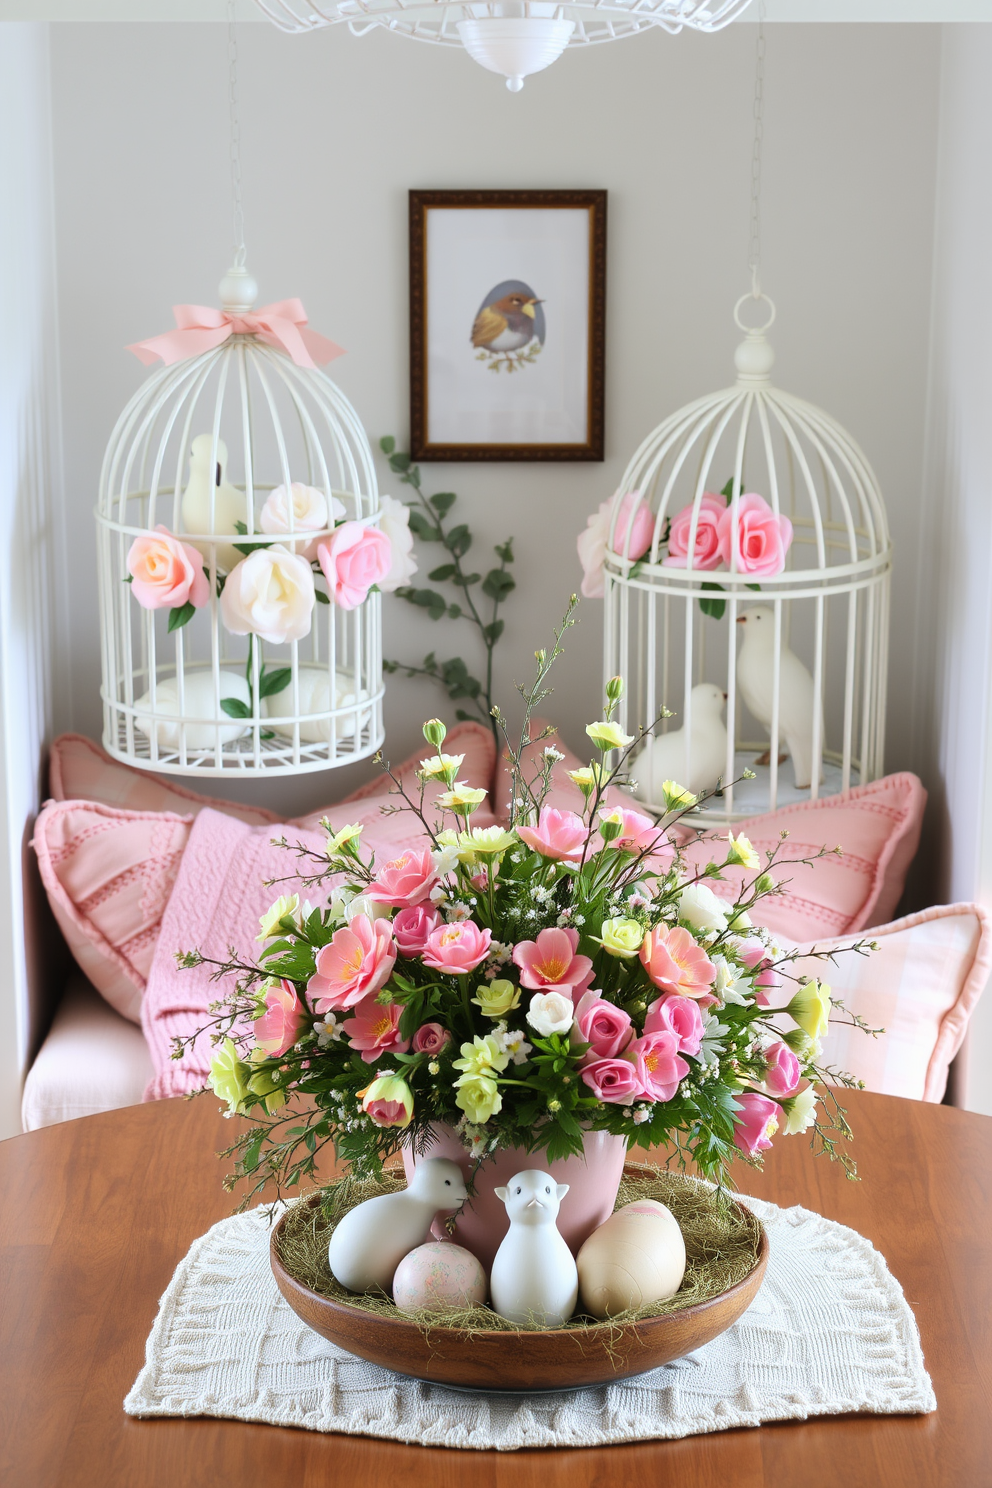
<point>637,1257</point>
<point>438,1277</point>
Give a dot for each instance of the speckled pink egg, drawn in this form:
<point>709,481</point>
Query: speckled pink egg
<point>438,1277</point>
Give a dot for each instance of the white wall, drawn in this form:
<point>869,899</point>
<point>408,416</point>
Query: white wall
<point>29,505</point>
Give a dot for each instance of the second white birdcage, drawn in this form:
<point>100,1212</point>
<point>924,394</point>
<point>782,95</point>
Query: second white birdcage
<point>226,648</point>
<point>746,587</point>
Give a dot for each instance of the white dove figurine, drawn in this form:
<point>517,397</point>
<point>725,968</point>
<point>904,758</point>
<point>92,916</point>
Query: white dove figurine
<point>229,504</point>
<point>371,1240</point>
<point>534,1279</point>
<point>663,755</point>
<point>756,676</point>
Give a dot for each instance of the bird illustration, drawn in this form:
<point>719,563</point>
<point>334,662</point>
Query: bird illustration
<point>756,676</point>
<point>229,504</point>
<point>663,756</point>
<point>510,321</point>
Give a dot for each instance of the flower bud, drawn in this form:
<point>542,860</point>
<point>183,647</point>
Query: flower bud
<point>435,732</point>
<point>764,884</point>
<point>614,689</point>
<point>388,1100</point>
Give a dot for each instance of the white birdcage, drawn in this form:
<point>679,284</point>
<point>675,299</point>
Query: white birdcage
<point>811,675</point>
<point>215,434</point>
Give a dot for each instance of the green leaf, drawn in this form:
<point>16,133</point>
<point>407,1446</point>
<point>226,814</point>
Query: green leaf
<point>459,540</point>
<point>425,599</point>
<point>420,527</point>
<point>399,462</point>
<point>276,681</point>
<point>454,612</point>
<point>242,528</point>
<point>728,490</point>
<point>713,607</point>
<point>235,708</point>
<point>498,584</point>
<point>504,551</point>
<point>468,579</point>
<point>493,632</point>
<point>320,596</point>
<point>443,502</point>
<point>387,444</point>
<point>753,586</point>
<point>129,579</point>
<point>438,575</point>
<point>181,616</point>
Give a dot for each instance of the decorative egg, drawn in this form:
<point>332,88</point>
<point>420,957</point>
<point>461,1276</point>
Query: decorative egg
<point>637,1257</point>
<point>438,1277</point>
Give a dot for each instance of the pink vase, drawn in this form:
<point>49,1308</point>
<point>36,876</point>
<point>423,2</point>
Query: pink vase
<point>592,1179</point>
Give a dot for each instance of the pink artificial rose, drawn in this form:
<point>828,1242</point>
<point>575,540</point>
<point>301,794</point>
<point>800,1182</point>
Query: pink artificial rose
<point>356,963</point>
<point>678,1015</point>
<point>675,963</point>
<point>457,949</point>
<point>277,1030</point>
<point>549,964</point>
<point>755,957</point>
<point>755,1123</point>
<point>706,553</point>
<point>612,1080</point>
<point>375,1029</point>
<point>558,835</point>
<point>352,559</point>
<point>641,835</point>
<point>166,573</point>
<point>634,519</point>
<point>783,1074</point>
<point>405,881</point>
<point>412,926</point>
<point>430,1038</point>
<point>605,1028</point>
<point>763,539</point>
<point>659,1068</point>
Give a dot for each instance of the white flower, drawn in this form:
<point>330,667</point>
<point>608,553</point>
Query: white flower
<point>800,1111</point>
<point>365,906</point>
<point>641,1115</point>
<point>514,1044</point>
<point>327,1030</point>
<point>394,521</point>
<point>731,984</point>
<point>269,594</point>
<point>445,861</point>
<point>701,909</point>
<point>309,510</point>
<point>551,753</point>
<point>714,1032</point>
<point>438,895</point>
<point>269,921</point>
<point>550,1012</point>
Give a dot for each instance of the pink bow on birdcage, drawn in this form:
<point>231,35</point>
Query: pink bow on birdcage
<point>200,328</point>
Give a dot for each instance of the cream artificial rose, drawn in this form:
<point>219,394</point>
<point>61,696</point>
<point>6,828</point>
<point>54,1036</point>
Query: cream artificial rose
<point>269,594</point>
<point>394,522</point>
<point>622,937</point>
<point>550,1012</point>
<point>308,507</point>
<point>478,1096</point>
<point>497,998</point>
<point>701,909</point>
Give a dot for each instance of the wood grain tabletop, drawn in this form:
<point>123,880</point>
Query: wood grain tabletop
<point>96,1213</point>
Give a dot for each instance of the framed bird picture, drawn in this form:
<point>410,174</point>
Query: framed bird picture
<point>507,324</point>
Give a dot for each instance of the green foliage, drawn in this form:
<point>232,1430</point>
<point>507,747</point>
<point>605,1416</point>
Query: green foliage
<point>181,616</point>
<point>713,607</point>
<point>235,708</point>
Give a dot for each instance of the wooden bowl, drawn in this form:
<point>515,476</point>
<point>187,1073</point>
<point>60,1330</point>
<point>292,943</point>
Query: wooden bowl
<point>556,1359</point>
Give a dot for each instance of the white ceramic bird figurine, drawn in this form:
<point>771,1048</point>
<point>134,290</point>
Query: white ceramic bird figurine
<point>372,1239</point>
<point>230,505</point>
<point>663,755</point>
<point>756,677</point>
<point>534,1281</point>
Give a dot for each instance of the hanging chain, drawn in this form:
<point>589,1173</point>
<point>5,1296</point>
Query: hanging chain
<point>754,246</point>
<point>232,98</point>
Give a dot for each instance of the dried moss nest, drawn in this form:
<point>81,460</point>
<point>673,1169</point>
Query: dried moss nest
<point>721,1242</point>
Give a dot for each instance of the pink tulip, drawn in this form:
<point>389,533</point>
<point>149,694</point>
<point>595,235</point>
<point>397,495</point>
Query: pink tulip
<point>550,964</point>
<point>405,881</point>
<point>783,1073</point>
<point>706,553</point>
<point>659,1068</point>
<point>678,1015</point>
<point>605,1028</point>
<point>430,1038</point>
<point>388,1101</point>
<point>352,559</point>
<point>558,835</point>
<point>755,1124</point>
<point>412,926</point>
<point>166,573</point>
<point>675,963</point>
<point>375,1029</point>
<point>357,963</point>
<point>612,1080</point>
<point>457,949</point>
<point>763,539</point>
<point>277,1030</point>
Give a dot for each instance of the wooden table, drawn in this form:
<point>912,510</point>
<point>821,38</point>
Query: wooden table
<point>96,1213</point>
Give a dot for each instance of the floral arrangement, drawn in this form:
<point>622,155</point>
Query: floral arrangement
<point>524,984</point>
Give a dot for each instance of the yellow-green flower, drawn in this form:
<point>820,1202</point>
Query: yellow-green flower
<point>496,999</point>
<point>479,1097</point>
<point>442,767</point>
<point>482,1056</point>
<point>606,735</point>
<point>622,937</point>
<point>229,1075</point>
<point>346,834</point>
<point>677,798</point>
<point>741,853</point>
<point>269,921</point>
<point>810,1007</point>
<point>587,778</point>
<point>461,798</point>
<point>486,842</point>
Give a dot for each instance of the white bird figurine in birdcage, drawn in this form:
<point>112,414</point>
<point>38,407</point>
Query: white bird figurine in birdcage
<point>756,678</point>
<point>663,756</point>
<point>229,504</point>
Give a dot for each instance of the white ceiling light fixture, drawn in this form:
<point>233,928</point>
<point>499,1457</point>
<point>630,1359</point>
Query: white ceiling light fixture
<point>511,37</point>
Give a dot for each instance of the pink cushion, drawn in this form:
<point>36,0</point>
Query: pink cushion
<point>877,826</point>
<point>921,986</point>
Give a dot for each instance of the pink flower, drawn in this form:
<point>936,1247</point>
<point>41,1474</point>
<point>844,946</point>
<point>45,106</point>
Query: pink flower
<point>634,517</point>
<point>550,963</point>
<point>412,926</point>
<point>612,1080</point>
<point>755,1124</point>
<point>388,1101</point>
<point>430,1038</point>
<point>642,836</point>
<point>755,957</point>
<point>678,1015</point>
<point>457,949</point>
<point>375,1029</point>
<point>706,553</point>
<point>763,539</point>
<point>352,559</point>
<point>659,1068</point>
<point>558,834</point>
<point>607,1029</point>
<point>356,963</point>
<point>783,1073</point>
<point>405,881</point>
<point>277,1030</point>
<point>166,573</point>
<point>675,963</point>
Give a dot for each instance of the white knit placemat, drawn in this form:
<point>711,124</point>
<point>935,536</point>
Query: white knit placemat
<point>829,1332</point>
